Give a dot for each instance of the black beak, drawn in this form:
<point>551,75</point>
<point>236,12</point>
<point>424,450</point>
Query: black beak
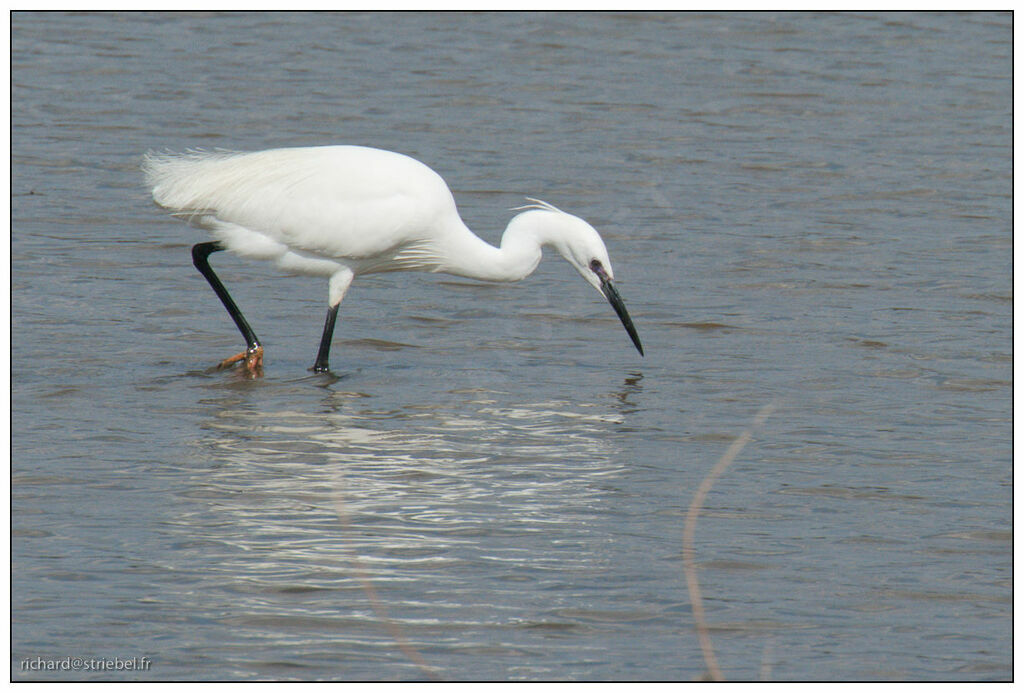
<point>609,291</point>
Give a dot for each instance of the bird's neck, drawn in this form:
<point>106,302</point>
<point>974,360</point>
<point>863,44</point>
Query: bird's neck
<point>518,256</point>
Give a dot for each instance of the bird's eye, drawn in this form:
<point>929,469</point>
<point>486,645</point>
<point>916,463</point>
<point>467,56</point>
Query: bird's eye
<point>595,266</point>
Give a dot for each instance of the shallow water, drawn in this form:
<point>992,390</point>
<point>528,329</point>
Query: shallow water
<point>808,211</point>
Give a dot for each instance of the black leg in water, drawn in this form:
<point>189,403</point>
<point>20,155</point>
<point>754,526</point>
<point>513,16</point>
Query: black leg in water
<point>200,258</point>
<point>325,341</point>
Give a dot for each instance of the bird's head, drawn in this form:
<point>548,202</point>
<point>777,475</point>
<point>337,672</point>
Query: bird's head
<point>580,244</point>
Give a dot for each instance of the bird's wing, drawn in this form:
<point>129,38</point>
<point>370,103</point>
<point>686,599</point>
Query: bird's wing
<point>337,202</point>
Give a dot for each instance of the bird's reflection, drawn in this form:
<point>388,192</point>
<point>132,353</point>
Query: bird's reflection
<point>626,395</point>
<point>445,465</point>
<point>363,519</point>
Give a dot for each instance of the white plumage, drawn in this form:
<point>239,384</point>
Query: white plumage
<point>343,211</point>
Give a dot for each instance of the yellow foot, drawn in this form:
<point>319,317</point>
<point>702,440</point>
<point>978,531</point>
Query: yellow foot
<point>251,360</point>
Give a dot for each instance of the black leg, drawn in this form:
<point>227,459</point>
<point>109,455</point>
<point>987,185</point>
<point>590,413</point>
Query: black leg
<point>200,258</point>
<point>325,341</point>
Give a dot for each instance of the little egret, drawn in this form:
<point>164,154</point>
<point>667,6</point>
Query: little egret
<point>342,211</point>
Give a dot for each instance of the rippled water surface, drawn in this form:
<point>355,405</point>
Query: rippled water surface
<point>810,212</point>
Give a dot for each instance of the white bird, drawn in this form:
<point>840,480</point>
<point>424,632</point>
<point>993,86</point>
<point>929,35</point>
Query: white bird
<point>342,211</point>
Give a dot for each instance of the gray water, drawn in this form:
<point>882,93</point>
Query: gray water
<point>804,212</point>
